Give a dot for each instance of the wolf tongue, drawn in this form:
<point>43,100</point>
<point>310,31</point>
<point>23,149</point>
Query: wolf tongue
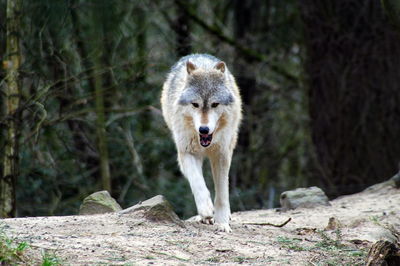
<point>205,139</point>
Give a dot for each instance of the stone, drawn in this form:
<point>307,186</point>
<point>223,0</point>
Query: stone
<point>98,203</point>
<point>384,234</point>
<point>392,182</point>
<point>333,224</point>
<point>373,233</point>
<point>396,180</point>
<point>303,198</point>
<point>156,209</point>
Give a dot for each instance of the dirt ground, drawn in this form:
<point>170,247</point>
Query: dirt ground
<point>357,221</point>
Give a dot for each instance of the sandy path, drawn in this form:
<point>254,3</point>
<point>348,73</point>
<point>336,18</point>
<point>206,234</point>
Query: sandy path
<point>122,239</point>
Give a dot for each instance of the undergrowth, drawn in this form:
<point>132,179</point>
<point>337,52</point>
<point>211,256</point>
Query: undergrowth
<point>331,250</point>
<point>11,252</point>
<point>50,259</point>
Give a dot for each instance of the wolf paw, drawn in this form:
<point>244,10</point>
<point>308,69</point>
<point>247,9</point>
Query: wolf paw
<point>206,209</point>
<point>199,219</point>
<point>223,227</point>
<point>207,220</point>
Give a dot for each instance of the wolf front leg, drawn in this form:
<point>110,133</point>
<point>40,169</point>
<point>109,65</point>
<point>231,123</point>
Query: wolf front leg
<point>220,164</point>
<point>191,167</point>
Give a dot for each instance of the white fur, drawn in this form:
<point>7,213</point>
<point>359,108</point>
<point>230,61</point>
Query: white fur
<point>223,122</point>
<point>212,115</point>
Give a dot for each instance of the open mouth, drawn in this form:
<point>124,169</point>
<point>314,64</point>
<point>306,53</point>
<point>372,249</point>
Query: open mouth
<point>205,139</point>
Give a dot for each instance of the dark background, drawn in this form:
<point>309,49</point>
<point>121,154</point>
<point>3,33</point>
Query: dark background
<point>320,82</point>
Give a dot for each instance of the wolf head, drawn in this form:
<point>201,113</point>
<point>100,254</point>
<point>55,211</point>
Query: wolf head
<point>205,95</point>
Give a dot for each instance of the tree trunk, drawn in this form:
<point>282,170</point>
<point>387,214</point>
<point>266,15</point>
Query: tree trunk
<point>245,24</point>
<point>101,132</point>
<point>181,27</point>
<point>141,44</point>
<point>392,9</point>
<point>96,84</point>
<point>353,68</point>
<point>11,64</point>
<point>383,253</point>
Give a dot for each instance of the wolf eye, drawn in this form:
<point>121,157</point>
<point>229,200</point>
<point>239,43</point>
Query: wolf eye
<point>213,105</point>
<point>195,105</point>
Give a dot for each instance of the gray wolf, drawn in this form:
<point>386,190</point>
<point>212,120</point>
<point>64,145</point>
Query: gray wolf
<point>202,107</point>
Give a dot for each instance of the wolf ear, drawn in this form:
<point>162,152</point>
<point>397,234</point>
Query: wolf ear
<point>220,66</point>
<point>190,67</point>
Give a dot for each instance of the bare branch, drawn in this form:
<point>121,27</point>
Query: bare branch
<point>270,224</point>
<point>245,51</point>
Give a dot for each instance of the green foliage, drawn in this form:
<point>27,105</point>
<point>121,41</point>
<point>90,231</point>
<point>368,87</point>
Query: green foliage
<point>213,259</point>
<point>333,249</point>
<point>328,242</point>
<point>11,252</point>
<point>50,259</point>
<point>292,243</point>
<point>128,47</point>
<point>392,8</point>
<point>125,48</point>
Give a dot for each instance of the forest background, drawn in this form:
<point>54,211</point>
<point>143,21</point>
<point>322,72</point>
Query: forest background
<point>81,81</point>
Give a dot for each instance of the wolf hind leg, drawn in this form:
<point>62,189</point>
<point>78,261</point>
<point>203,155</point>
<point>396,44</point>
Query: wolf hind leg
<point>220,164</point>
<point>191,167</point>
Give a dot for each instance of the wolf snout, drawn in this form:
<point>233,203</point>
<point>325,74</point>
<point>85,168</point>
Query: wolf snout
<point>205,136</point>
<point>204,130</point>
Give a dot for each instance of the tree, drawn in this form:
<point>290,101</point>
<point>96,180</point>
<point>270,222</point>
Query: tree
<point>11,64</point>
<point>181,26</point>
<point>263,52</point>
<point>353,68</point>
<point>392,9</point>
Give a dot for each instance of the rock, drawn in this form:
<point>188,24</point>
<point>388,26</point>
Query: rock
<point>392,182</point>
<point>383,253</point>
<point>303,198</point>
<point>384,234</point>
<point>156,209</point>
<point>333,224</point>
<point>396,180</point>
<point>373,232</point>
<point>99,202</point>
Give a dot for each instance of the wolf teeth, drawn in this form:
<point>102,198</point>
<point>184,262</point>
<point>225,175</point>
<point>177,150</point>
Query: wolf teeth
<point>205,139</point>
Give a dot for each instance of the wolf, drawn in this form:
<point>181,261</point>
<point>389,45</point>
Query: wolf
<point>202,107</point>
